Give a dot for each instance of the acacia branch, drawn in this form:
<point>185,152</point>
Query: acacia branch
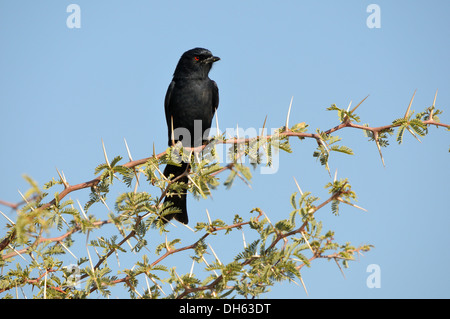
<point>40,240</point>
<point>279,236</point>
<point>346,123</point>
<point>132,164</point>
<point>169,251</point>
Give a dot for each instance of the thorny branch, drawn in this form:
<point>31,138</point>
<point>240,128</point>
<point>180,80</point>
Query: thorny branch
<point>346,123</point>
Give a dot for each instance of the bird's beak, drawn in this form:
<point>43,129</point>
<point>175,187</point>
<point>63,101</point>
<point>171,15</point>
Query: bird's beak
<point>212,59</point>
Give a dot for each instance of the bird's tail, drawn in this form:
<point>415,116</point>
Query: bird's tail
<point>178,200</point>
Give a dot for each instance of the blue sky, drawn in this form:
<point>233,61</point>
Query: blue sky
<point>63,90</point>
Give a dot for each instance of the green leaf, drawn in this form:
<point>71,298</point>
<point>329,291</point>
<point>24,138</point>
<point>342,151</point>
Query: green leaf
<point>341,149</point>
<point>400,132</point>
<point>293,200</point>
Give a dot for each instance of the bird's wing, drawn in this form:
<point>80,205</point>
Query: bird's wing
<point>167,102</point>
<point>215,97</point>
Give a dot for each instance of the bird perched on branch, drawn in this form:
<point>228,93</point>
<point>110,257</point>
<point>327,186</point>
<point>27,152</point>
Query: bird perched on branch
<point>190,104</point>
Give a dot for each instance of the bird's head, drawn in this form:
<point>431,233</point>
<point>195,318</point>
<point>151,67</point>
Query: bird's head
<point>195,63</point>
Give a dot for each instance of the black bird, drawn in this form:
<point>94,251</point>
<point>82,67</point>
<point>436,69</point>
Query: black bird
<point>190,104</point>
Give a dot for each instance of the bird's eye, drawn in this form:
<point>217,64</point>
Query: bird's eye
<point>196,58</point>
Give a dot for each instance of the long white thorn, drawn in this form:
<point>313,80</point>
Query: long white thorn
<point>303,284</point>
<point>25,199</point>
<point>89,254</point>
<point>12,248</point>
<point>435,95</point>
<point>172,133</point>
<point>413,134</point>
<point>379,148</point>
<point>68,250</point>
<point>62,178</point>
<point>350,104</point>
<point>214,253</point>
<point>354,109</point>
<point>289,114</point>
<point>432,107</point>
<point>12,223</point>
<point>348,203</point>
<point>263,127</point>
<point>307,242</point>
<point>45,285</point>
<point>192,269</point>
<point>128,150</point>
<point>298,186</point>
<point>209,217</point>
<point>148,286</point>
<point>409,106</point>
<point>268,219</point>
<point>217,124</point>
<point>179,278</point>
<point>104,153</point>
<point>204,260</point>
<point>82,210</point>
<point>187,226</point>
<point>243,239</point>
